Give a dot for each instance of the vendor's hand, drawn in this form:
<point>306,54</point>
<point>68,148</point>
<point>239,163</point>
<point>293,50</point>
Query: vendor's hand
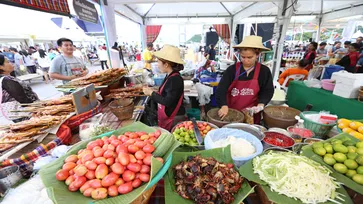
<point>256,109</point>
<point>147,91</point>
<point>223,112</point>
<point>73,77</point>
<point>83,73</point>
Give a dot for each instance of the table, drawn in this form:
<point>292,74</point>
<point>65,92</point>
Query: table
<point>299,95</point>
<point>29,77</point>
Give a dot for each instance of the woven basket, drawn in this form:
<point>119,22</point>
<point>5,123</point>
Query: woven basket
<point>122,109</point>
<point>145,196</point>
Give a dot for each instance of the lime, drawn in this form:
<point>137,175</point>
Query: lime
<point>341,168</point>
<point>351,164</point>
<point>328,148</point>
<point>340,157</point>
<point>358,178</point>
<point>317,144</point>
<point>187,139</point>
<point>349,143</point>
<point>360,170</point>
<point>350,173</point>
<point>352,149</point>
<point>182,129</point>
<point>337,142</point>
<point>177,137</point>
<point>181,140</point>
<point>177,131</point>
<point>340,148</point>
<point>191,132</point>
<point>352,155</point>
<point>359,144</point>
<point>360,150</point>
<point>182,134</point>
<point>328,155</point>
<point>359,159</point>
<point>329,160</point>
<point>320,151</point>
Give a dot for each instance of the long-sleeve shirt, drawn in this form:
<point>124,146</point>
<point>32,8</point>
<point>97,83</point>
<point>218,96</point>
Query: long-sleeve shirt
<point>349,61</point>
<point>173,90</point>
<point>311,57</point>
<point>15,91</point>
<point>292,71</point>
<point>264,80</point>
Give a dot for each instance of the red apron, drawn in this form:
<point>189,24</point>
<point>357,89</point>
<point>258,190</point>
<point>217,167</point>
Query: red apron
<point>244,94</point>
<point>165,121</point>
<point>310,66</point>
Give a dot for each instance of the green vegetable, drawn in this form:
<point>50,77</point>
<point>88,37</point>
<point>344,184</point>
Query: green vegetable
<point>99,130</point>
<point>297,177</point>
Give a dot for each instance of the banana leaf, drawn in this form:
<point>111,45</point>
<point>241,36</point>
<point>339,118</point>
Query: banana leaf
<point>246,171</point>
<point>220,154</point>
<point>308,152</point>
<point>58,191</point>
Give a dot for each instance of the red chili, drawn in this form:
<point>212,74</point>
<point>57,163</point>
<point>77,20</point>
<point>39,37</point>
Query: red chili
<point>278,139</point>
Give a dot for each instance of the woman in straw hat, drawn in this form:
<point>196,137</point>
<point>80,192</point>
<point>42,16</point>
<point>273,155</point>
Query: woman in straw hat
<point>247,84</point>
<point>171,92</point>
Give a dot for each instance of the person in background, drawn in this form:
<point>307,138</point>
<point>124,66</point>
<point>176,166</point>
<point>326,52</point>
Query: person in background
<point>19,62</point>
<point>8,54</point>
<point>321,50</point>
<point>157,48</point>
<point>301,69</point>
<point>310,54</point>
<point>359,41</point>
<point>211,52</point>
<point>349,61</point>
<point>337,45</point>
<point>102,54</point>
<point>148,56</point>
<point>66,66</point>
<point>29,62</point>
<point>44,63</point>
<point>360,61</point>
<point>345,50</point>
<point>51,54</point>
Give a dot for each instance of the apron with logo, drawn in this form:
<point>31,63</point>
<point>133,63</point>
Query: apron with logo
<point>75,68</point>
<point>244,94</point>
<point>165,121</point>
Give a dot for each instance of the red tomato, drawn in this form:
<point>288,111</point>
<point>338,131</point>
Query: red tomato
<point>130,141</point>
<point>135,167</point>
<point>141,133</point>
<point>99,160</point>
<point>69,166</point>
<point>112,191</point>
<point>79,181</point>
<point>121,148</point>
<point>84,187</point>
<point>124,139</point>
<point>152,134</point>
<point>157,133</point>
<point>111,147</point>
<point>117,168</point>
<point>128,176</point>
<point>125,188</point>
<point>95,183</point>
<point>110,179</point>
<point>100,142</point>
<point>87,157</point>
<point>99,193</point>
<point>91,165</point>
<point>145,169</point>
<point>113,137</point>
<point>148,148</point>
<point>115,142</point>
<point>119,182</point>
<point>71,158</point>
<point>71,172</point>
<point>105,138</point>
<point>92,144</point>
<point>139,161</point>
<point>123,158</point>
<point>144,177</point>
<point>69,180</point>
<point>98,152</point>
<point>88,192</point>
<point>72,188</point>
<point>108,153</point>
<point>133,148</point>
<point>136,183</point>
<point>101,171</point>
<point>140,144</point>
<point>110,161</point>
<point>147,160</point>
<point>144,137</point>
<point>133,135</point>
<point>90,174</point>
<point>160,159</point>
<point>80,170</point>
<point>132,158</point>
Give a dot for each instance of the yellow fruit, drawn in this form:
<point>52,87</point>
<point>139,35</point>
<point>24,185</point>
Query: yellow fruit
<point>347,130</point>
<point>357,135</point>
<point>342,125</point>
<point>360,129</point>
<point>344,121</point>
<point>355,125</point>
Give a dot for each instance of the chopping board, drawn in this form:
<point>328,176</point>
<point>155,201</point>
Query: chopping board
<point>85,99</point>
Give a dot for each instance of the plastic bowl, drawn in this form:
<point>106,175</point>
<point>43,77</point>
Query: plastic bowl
<point>303,132</point>
<point>247,128</point>
<point>328,84</point>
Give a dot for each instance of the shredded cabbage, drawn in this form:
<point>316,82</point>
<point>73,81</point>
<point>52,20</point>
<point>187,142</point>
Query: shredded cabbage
<point>297,177</point>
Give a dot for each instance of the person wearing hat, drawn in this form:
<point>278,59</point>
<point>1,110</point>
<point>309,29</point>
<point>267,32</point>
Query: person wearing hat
<point>171,92</point>
<point>247,84</point>
<point>349,61</point>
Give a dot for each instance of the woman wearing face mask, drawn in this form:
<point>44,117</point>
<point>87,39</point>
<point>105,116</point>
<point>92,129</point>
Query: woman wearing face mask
<point>247,84</point>
<point>12,91</point>
<point>170,95</point>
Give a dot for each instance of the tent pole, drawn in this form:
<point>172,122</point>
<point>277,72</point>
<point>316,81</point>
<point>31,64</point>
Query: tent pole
<point>318,31</point>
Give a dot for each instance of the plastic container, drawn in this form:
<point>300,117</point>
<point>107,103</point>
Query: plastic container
<point>193,113</point>
<point>158,80</point>
<point>328,84</point>
<point>223,133</point>
<point>320,130</point>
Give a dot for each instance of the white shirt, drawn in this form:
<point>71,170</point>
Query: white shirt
<point>102,54</point>
<point>43,62</point>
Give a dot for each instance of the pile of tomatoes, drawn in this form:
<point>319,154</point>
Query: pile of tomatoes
<point>110,166</point>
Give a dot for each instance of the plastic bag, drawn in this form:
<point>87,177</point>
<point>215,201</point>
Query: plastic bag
<point>313,83</point>
<point>204,93</point>
<point>223,133</point>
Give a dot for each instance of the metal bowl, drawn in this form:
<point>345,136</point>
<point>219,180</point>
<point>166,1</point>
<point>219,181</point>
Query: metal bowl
<point>260,127</point>
<point>247,128</point>
<point>280,130</point>
<point>285,137</point>
<point>276,149</point>
<point>312,140</point>
<point>277,102</point>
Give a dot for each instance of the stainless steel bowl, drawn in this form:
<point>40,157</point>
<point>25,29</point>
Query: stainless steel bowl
<point>267,145</point>
<point>247,128</point>
<point>262,128</point>
<point>277,103</point>
<point>280,130</point>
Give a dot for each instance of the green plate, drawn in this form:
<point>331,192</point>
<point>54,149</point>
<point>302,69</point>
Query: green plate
<point>308,152</point>
<point>247,171</point>
<point>220,154</point>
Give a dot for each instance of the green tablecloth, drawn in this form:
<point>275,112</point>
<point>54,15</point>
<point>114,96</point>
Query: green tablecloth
<point>299,95</point>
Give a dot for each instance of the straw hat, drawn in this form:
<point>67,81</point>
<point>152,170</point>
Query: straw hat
<point>169,53</point>
<point>252,41</point>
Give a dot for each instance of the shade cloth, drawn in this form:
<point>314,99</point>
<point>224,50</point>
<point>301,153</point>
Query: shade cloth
<point>299,95</point>
<point>51,6</point>
<point>223,32</point>
<point>152,32</point>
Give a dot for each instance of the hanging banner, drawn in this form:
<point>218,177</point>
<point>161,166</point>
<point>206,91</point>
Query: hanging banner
<point>85,11</point>
<point>50,6</point>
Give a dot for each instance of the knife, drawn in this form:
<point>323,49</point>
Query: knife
<point>197,132</point>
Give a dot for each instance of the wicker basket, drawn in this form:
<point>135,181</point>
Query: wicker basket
<point>145,196</point>
<point>122,109</point>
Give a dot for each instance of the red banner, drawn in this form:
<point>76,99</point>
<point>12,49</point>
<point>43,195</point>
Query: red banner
<point>51,6</point>
<point>223,32</point>
<point>152,32</point>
